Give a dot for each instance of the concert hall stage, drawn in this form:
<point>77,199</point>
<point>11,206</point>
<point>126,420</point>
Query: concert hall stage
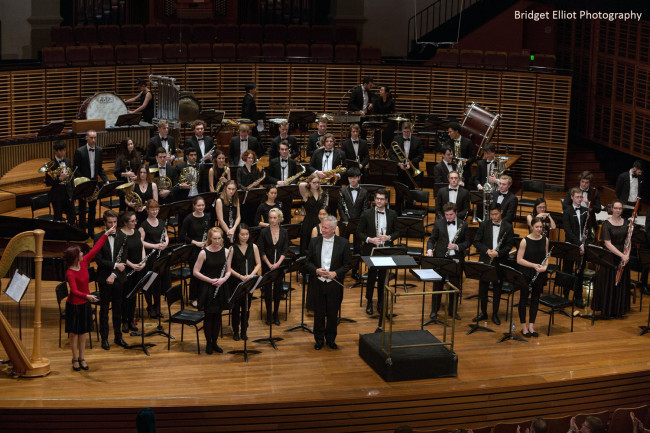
<point>297,388</point>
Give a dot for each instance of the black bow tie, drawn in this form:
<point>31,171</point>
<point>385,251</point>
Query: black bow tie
<point>163,139</point>
<point>635,176</point>
<point>496,225</point>
<point>503,194</point>
<point>453,189</point>
<point>91,149</point>
<point>328,152</point>
<point>161,168</point>
<point>380,212</point>
<point>111,236</point>
<point>355,142</point>
<point>577,209</point>
<point>451,223</point>
<point>355,189</point>
<point>243,141</point>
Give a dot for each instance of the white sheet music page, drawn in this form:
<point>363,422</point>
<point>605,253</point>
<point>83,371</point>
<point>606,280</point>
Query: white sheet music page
<point>382,261</point>
<point>152,278</point>
<point>427,274</point>
<point>17,286</point>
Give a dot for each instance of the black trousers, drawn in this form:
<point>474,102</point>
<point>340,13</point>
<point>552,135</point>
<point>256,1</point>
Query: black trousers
<point>272,297</point>
<point>568,268</point>
<point>60,205</point>
<point>240,315</point>
<point>92,212</point>
<point>436,300</point>
<point>376,276</point>
<point>524,292</point>
<point>110,294</point>
<point>483,289</point>
<point>328,302</point>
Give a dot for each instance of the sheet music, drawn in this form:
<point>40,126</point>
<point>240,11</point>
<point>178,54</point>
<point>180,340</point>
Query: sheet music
<point>382,261</point>
<point>427,275</point>
<point>17,286</point>
<point>152,278</point>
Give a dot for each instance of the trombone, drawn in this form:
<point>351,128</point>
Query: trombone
<point>412,172</point>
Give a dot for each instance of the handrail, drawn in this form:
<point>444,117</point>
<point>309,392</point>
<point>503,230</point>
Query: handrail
<point>433,16</point>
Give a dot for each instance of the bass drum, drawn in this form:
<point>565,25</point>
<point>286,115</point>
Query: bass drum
<point>479,126</point>
<point>107,106</point>
<point>188,108</point>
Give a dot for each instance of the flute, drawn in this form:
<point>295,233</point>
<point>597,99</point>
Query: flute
<point>223,272</point>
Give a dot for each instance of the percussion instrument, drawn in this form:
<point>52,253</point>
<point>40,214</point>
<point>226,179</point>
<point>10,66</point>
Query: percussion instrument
<point>399,118</point>
<point>107,106</point>
<point>479,125</point>
<point>188,108</point>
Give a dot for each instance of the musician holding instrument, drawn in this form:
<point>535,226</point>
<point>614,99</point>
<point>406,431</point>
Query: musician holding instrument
<point>228,211</point>
<point>127,162</point>
<point>294,149</point>
<point>574,219</point>
<point>494,240</point>
<point>110,277</point>
<point>135,268</point>
<point>146,191</point>
<point>202,143</point>
<point>314,139</point>
<point>262,213</point>
<point>219,173</point>
<point>506,198</point>
<point>485,168</point>
<point>462,147</point>
<point>164,140</point>
<point>282,168</point>
<point>628,184</point>
<point>273,245</point>
<point>352,203</point>
<point>212,268</point>
<point>87,163</point>
<point>153,233</point>
<point>611,299</point>
<point>249,176</point>
<point>165,178</point>
<point>59,177</point>
<point>78,314</point>
<point>412,148</point>
<point>188,179</point>
<point>356,149</point>
<point>532,261</point>
<point>246,263</point>
<point>327,158</point>
<point>453,193</point>
<point>313,200</point>
<point>145,99</point>
<point>361,97</point>
<point>448,239</point>
<point>588,191</point>
<point>240,144</point>
<point>539,210</point>
<point>194,231</point>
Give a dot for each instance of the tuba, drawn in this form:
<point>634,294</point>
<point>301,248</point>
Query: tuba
<point>129,195</point>
<point>413,172</point>
<point>189,175</point>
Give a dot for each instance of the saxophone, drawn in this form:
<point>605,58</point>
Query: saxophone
<point>290,179</point>
<point>453,241</point>
<point>258,181</point>
<point>330,176</point>
<point>220,184</point>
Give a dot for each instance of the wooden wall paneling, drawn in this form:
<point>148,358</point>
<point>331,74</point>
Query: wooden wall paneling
<point>628,40</point>
<point>517,122</point>
<point>642,132</point>
<point>5,105</point>
<point>277,87</point>
<point>551,125</point>
<point>549,163</point>
<point>642,88</point>
<point>382,75</point>
<point>602,117</point>
<point>483,86</point>
<point>622,130</point>
<point>523,147</point>
<point>233,79</point>
<point>204,81</point>
<point>125,77</point>
<point>412,87</point>
<point>625,81</point>
<point>448,84</point>
<point>100,80</point>
<point>28,95</point>
<point>307,87</point>
<point>62,94</point>
<point>644,42</point>
<point>518,87</point>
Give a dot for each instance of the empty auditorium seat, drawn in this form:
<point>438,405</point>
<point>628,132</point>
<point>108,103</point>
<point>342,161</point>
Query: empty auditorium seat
<point>322,35</point>
<point>275,33</point>
<point>62,36</point>
<point>321,53</point>
<point>77,56</point>
<point>273,52</point>
<point>369,55</point>
<point>544,63</point>
<point>250,33</point>
<point>518,61</point>
<point>249,52</point>
<point>199,53</point>
<point>126,55</point>
<point>133,34</point>
<point>203,33</point>
<point>446,57</point>
<point>85,35</point>
<point>109,35</point>
<point>227,33</point>
<point>298,53</point>
<point>101,55</point>
<point>175,53</point>
<point>345,53</point>
<point>298,34</point>
<point>345,35</point>
<point>151,53</point>
<point>471,58</point>
<point>180,33</point>
<point>54,57</point>
<point>156,33</point>
<point>495,59</point>
<point>224,52</point>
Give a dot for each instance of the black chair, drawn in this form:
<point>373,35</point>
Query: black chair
<point>62,293</point>
<point>180,256</point>
<point>38,202</point>
<point>558,303</point>
<point>530,186</point>
<point>644,258</point>
<point>183,316</point>
<point>406,198</point>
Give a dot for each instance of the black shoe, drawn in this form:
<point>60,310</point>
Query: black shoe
<point>433,315</point>
<point>332,345</point>
<point>105,344</point>
<point>369,310</point>
<point>216,347</point>
<point>120,341</point>
<point>482,316</point>
<point>318,345</point>
<point>457,317</point>
<point>495,319</point>
<point>208,348</point>
<point>132,327</point>
<point>580,303</point>
<point>276,322</point>
<point>125,328</point>
<point>527,334</point>
<point>83,365</point>
<point>356,276</point>
<point>534,334</point>
<point>268,322</point>
<point>235,336</point>
<point>377,330</point>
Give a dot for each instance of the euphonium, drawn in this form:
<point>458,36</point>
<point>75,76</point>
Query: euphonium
<point>412,172</point>
<point>189,175</point>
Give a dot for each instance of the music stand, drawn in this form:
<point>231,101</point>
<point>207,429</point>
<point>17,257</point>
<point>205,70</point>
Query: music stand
<point>566,251</point>
<point>350,229</point>
<point>159,266</point>
<point>107,190</point>
<point>268,279</point>
<point>51,129</point>
<point>244,289</point>
<point>382,167</point>
<point>517,279</point>
<point>476,199</point>
<point>139,289</point>
<point>163,213</point>
<point>407,227</point>
<point>131,119</point>
<point>604,258</point>
<point>485,273</point>
<point>424,284</point>
<point>446,267</point>
<point>298,265</point>
<point>253,196</point>
<point>211,116</point>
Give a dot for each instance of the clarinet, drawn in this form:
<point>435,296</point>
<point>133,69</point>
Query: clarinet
<point>345,208</point>
<point>499,242</point>
<point>532,281</point>
<point>379,232</point>
<point>144,260</point>
<point>205,233</point>
<point>162,237</point>
<point>223,272</point>
<point>453,241</point>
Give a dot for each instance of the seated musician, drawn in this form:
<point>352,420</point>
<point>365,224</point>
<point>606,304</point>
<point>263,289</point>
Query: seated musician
<point>453,193</point>
<point>361,97</point>
<point>493,241</point>
<point>281,167</point>
<point>164,140</point>
<point>262,213</point>
<point>240,144</point>
<point>284,136</point>
<point>313,142</point>
<point>326,158</point>
<point>356,149</point>
<point>201,143</point>
<point>219,173</point>
<point>249,176</point>
<point>588,191</point>
<point>449,235</point>
<point>464,146</point>
<point>443,168</point>
<point>506,198</point>
<point>485,167</point>
<point>412,148</point>
<point>61,187</point>
<point>165,169</point>
<point>186,189</point>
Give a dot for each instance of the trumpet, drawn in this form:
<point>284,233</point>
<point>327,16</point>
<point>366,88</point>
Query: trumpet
<point>129,195</point>
<point>412,172</point>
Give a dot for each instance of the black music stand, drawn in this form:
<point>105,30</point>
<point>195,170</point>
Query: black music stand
<point>107,190</point>
<point>209,198</point>
<point>181,209</point>
<point>350,229</point>
<point>380,252</point>
<point>288,193</point>
<point>476,199</point>
<point>211,117</point>
<point>253,196</point>
<point>424,284</point>
<point>485,273</point>
<point>51,129</point>
<point>517,279</point>
<point>142,285</point>
<point>244,289</point>
<point>446,267</point>
<point>605,259</point>
<point>160,265</point>
<point>131,119</point>
<point>333,196</point>
<point>298,265</point>
<point>382,167</point>
<point>409,227</point>
<point>268,279</point>
<point>165,210</point>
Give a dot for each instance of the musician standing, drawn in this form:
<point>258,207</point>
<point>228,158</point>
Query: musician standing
<point>314,140</point>
<point>353,201</point>
<point>87,162</point>
<point>153,233</point>
<point>186,190</point>
<point>328,262</point>
<point>628,184</point>
<point>246,263</point>
<point>326,158</point>
<point>145,99</point>
<point>376,229</point>
<point>530,258</point>
<point>249,176</point>
<point>361,97</point>
<point>194,231</point>
<point>165,168</point>
<point>240,144</point>
<point>110,277</point>
<point>356,149</point>
<point>164,140</point>
<point>453,193</point>
<point>442,169</point>
<point>249,108</point>
<point>442,241</point>
<point>284,136</point>
<point>464,146</point>
<point>493,241</point>
<point>228,211</point>
<point>384,104</point>
<point>313,200</point>
<point>588,191</point>
<point>134,252</point>
<point>273,246</point>
<point>412,148</point>
<point>485,168</point>
<point>574,218</point>
<point>506,198</point>
<point>61,188</point>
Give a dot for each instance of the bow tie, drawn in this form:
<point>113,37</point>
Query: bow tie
<point>59,161</point>
<point>355,142</point>
<point>355,189</point>
<point>328,152</point>
<point>635,176</point>
<point>407,139</point>
<point>284,160</point>
<point>496,225</point>
<point>111,236</point>
<point>453,189</point>
<point>243,141</point>
<point>163,139</point>
<point>451,223</point>
<point>91,149</point>
<point>380,212</point>
<point>161,167</point>
<point>577,209</point>
<point>503,194</point>
<point>584,190</point>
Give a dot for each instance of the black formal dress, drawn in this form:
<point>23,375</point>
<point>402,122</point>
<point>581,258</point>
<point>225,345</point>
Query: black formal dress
<point>133,252</point>
<point>229,216</point>
<point>110,293</point>
<point>312,206</point>
<point>535,253</point>
<point>217,174</point>
<point>154,235</point>
<point>246,178</point>
<point>145,195</point>
<point>212,299</point>
<point>610,299</point>
<point>273,252</point>
<point>242,263</point>
<point>262,213</point>
<point>60,195</point>
<point>194,229</point>
<point>147,112</point>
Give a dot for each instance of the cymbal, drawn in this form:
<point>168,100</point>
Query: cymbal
<point>328,116</point>
<point>398,119</point>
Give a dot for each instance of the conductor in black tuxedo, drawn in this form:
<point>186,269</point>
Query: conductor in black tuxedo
<point>282,167</point>
<point>356,149</point>
<point>294,150</point>
<point>328,262</point>
<point>442,169</point>
<point>442,241</point>
<point>412,148</point>
<point>628,184</point>
<point>88,163</point>
<point>465,147</point>
<point>494,240</point>
<point>361,97</point>
<point>376,229</point>
<point>506,198</point>
<point>61,187</point>
<point>314,140</point>
<point>326,158</point>
<point>164,140</point>
<point>588,191</point>
<point>453,193</point>
<point>165,169</point>
<point>249,107</point>
<point>240,144</point>
<point>574,218</point>
<point>110,279</point>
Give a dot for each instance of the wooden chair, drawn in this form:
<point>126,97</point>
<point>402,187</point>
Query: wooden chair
<point>603,415</point>
<point>621,421</point>
<point>510,427</point>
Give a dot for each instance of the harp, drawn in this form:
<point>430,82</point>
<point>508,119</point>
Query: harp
<point>23,364</point>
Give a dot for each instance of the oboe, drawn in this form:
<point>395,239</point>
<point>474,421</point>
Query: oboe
<point>223,272</point>
<point>453,241</point>
<point>532,281</point>
<point>231,221</point>
<point>345,207</point>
